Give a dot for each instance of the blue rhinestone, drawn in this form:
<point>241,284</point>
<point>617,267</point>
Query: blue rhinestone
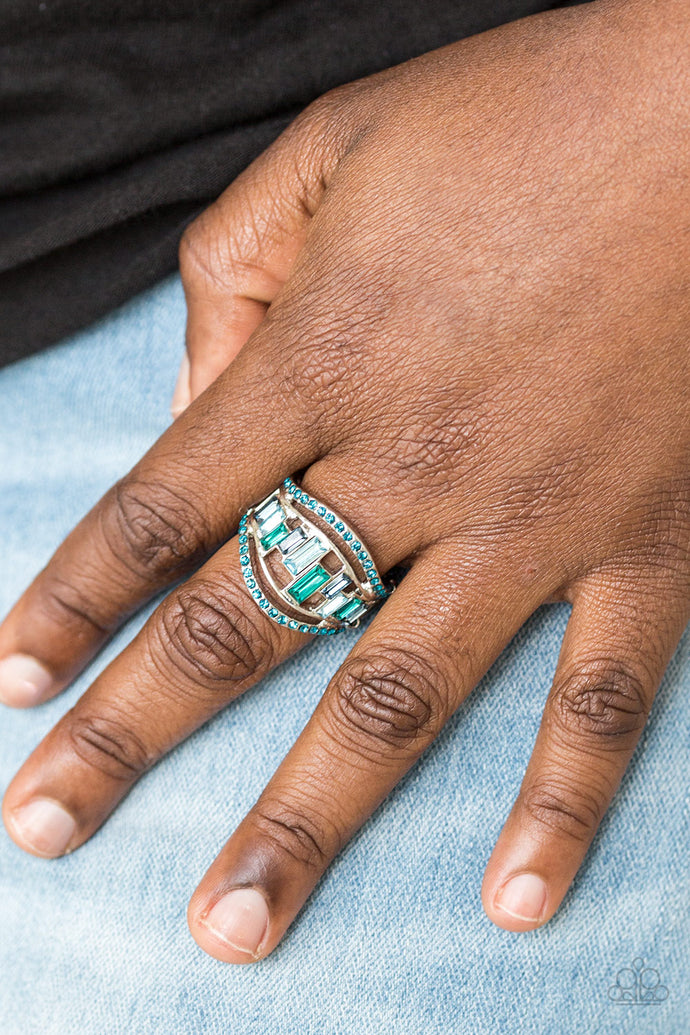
<point>356,545</point>
<point>321,511</point>
<point>288,484</point>
<point>244,560</point>
<point>243,538</point>
<point>347,536</point>
<point>256,593</point>
<point>250,582</point>
<point>304,628</point>
<point>264,603</point>
<point>305,497</point>
<point>273,613</point>
<point>293,624</point>
<point>330,518</point>
<point>312,504</point>
<point>363,555</point>
<point>340,527</point>
<point>282,620</point>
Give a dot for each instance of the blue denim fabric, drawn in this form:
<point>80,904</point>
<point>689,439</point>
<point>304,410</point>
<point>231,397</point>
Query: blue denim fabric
<point>394,939</point>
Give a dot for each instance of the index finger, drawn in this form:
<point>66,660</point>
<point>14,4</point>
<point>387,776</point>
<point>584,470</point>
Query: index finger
<point>173,509</point>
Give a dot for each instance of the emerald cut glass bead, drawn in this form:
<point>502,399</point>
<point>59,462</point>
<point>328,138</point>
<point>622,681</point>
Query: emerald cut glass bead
<point>350,611</point>
<point>291,542</point>
<point>330,606</point>
<point>280,532</point>
<point>304,556</point>
<point>309,583</point>
<point>339,583</point>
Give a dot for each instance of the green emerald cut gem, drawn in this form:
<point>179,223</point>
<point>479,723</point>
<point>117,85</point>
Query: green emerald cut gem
<point>353,609</point>
<point>275,536</point>
<point>309,583</point>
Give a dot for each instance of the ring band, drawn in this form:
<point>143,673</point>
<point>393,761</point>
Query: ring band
<point>304,566</point>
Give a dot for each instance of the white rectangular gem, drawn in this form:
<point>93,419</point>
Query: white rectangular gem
<point>271,521</point>
<point>305,555</point>
<point>291,542</point>
<point>332,605</point>
<point>267,510</point>
<point>336,585</point>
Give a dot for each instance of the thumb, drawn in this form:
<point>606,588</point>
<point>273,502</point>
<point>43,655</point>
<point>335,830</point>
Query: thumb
<point>235,256</point>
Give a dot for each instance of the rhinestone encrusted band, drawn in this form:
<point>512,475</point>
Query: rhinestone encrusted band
<point>307,571</point>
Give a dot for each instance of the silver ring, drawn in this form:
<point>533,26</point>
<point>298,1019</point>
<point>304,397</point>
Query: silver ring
<point>304,566</point>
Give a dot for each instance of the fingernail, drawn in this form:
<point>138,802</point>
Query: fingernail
<point>524,897</point>
<point>23,681</point>
<point>240,919</point>
<point>44,827</point>
<point>182,396</point>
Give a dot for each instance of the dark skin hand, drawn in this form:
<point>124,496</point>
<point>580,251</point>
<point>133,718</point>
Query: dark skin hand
<point>478,271</point>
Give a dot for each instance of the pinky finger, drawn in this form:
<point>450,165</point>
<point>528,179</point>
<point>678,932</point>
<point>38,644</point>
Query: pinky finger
<point>615,650</point>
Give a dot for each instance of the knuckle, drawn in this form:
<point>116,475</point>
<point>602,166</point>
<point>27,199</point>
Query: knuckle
<point>218,256</point>
<point>208,633</point>
<point>565,809</point>
<point>162,533</point>
<point>292,833</point>
<point>330,119</point>
<point>392,699</point>
<point>108,744</point>
<point>431,452</point>
<point>434,444</point>
<point>605,701</point>
<point>76,602</point>
<point>547,491</point>
<point>310,355</point>
<point>197,252</point>
<point>670,526</point>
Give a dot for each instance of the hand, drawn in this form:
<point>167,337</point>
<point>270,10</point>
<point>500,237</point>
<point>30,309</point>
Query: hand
<point>478,264</point>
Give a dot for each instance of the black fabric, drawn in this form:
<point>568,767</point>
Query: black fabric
<point>120,120</point>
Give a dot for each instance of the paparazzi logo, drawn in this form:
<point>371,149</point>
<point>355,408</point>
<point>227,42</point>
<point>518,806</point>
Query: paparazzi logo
<point>638,985</point>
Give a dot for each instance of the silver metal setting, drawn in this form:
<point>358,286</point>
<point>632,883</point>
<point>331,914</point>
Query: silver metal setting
<point>304,566</point>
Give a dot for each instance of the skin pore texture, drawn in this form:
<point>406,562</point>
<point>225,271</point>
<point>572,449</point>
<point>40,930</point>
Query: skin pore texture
<point>478,272</point>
